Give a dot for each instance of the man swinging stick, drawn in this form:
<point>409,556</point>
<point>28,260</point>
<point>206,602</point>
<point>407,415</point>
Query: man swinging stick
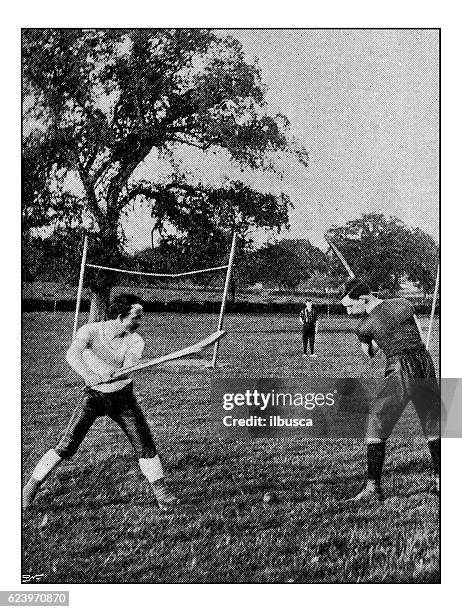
<point>391,325</point>
<point>96,353</point>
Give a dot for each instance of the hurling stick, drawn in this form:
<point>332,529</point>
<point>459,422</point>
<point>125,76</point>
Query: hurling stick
<point>342,259</point>
<point>190,350</point>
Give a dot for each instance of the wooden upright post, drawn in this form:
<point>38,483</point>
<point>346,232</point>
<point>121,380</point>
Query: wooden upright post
<point>79,290</point>
<point>432,316</point>
<point>223,301</point>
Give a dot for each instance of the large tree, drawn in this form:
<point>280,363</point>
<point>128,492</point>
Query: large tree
<point>386,251</point>
<point>99,102</point>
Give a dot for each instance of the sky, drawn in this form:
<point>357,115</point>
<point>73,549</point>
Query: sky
<point>365,105</point>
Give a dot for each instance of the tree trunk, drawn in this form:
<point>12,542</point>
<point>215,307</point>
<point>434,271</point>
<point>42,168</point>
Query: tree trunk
<point>107,254</point>
<point>98,305</point>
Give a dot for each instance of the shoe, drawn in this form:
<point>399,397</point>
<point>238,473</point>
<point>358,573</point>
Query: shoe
<point>165,500</point>
<point>436,484</point>
<point>313,355</point>
<point>305,355</point>
<point>368,494</point>
<point>29,492</point>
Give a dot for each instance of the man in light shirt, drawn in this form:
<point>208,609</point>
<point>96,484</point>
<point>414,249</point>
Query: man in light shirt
<point>96,353</point>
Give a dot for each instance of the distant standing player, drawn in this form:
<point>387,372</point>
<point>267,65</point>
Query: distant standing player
<point>98,350</point>
<point>391,325</point>
<point>309,319</point>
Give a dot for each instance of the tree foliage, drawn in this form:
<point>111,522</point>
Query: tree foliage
<point>52,258</point>
<point>386,251</point>
<point>98,102</point>
<point>207,219</point>
<point>287,263</point>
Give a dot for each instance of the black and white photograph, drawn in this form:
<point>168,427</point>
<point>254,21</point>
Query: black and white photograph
<point>230,305</point>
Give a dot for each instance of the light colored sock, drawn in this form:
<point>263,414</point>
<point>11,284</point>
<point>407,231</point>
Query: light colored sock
<point>46,464</point>
<point>152,468</point>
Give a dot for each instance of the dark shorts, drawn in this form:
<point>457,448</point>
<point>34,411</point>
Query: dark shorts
<point>408,377</point>
<point>122,407</point>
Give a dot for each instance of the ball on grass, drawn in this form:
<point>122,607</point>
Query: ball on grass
<point>269,498</point>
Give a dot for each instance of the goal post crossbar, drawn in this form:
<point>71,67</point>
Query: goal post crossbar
<point>157,274</point>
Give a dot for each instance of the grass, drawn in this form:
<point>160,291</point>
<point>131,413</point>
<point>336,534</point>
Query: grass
<point>95,521</point>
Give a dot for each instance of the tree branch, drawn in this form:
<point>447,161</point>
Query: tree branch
<point>91,197</point>
<point>91,159</point>
<point>202,147</point>
<point>121,177</point>
<point>97,175</point>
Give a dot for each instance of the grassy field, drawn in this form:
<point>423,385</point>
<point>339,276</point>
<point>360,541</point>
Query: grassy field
<point>95,520</point>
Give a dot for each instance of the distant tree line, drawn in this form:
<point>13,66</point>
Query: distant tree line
<point>384,250</point>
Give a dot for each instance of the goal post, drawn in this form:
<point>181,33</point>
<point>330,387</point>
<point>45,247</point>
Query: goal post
<point>223,300</point>
<point>432,314</point>
<point>83,263</point>
<point>228,267</point>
